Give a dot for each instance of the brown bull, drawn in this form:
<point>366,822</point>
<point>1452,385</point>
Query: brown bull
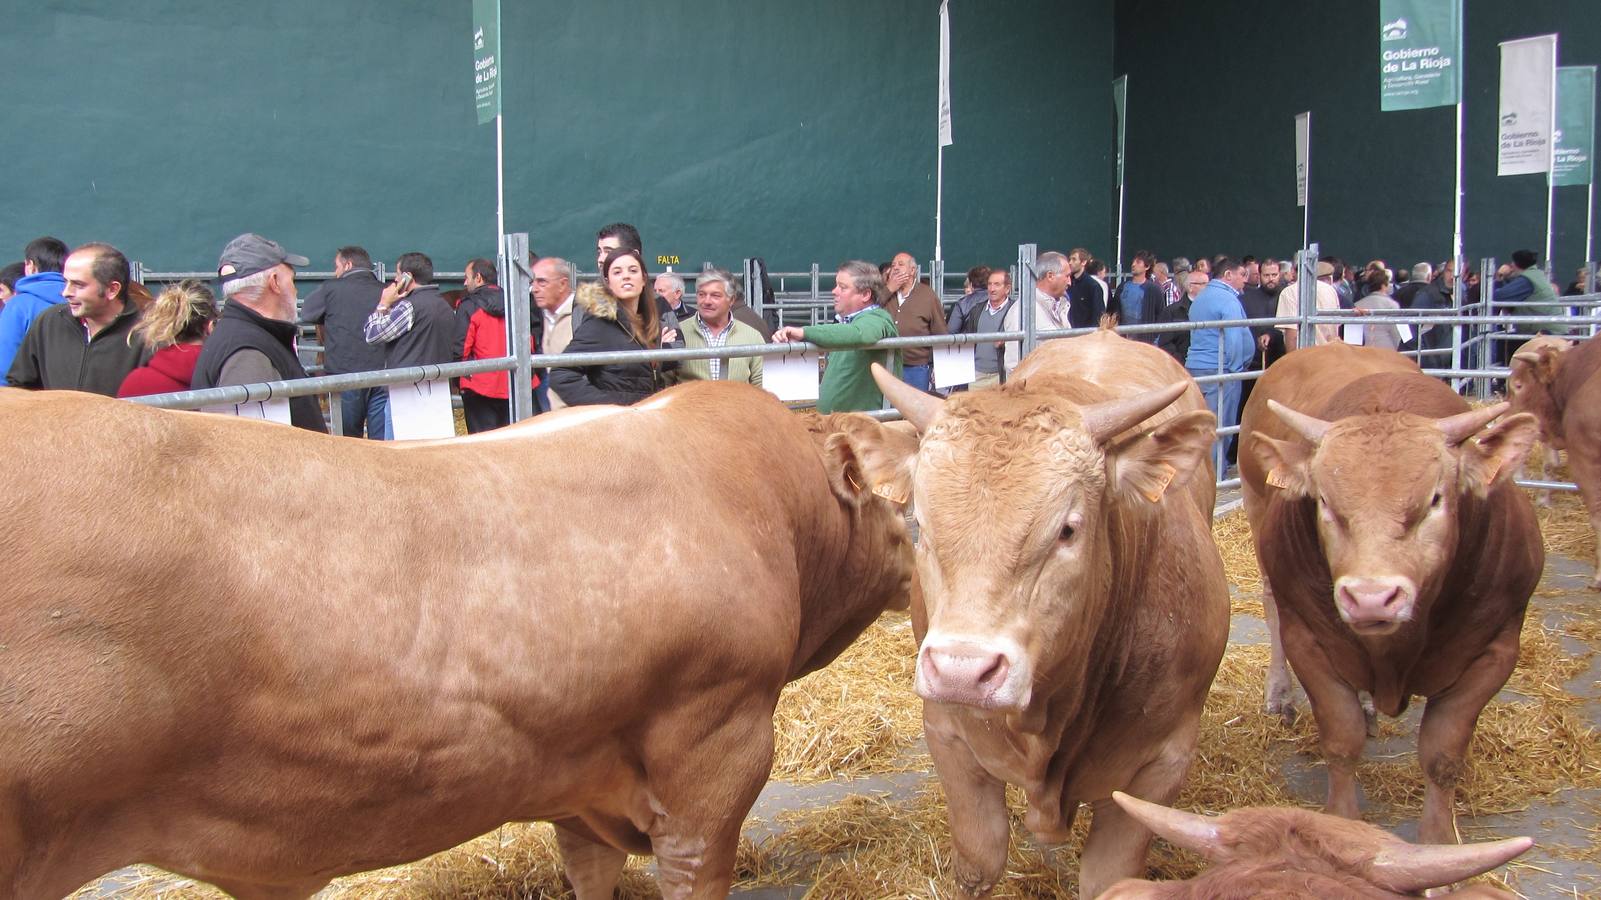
<point>1399,557</point>
<point>1073,606</point>
<point>212,662</point>
<point>1296,854</point>
<point>1561,385</point>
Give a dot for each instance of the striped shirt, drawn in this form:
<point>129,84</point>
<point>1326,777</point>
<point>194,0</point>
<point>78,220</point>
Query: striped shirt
<point>384,326</point>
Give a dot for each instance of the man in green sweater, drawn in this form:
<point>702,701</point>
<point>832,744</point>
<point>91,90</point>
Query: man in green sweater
<point>847,384</point>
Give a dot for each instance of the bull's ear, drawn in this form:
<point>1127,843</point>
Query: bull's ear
<point>1542,356</point>
<point>1287,463</point>
<point>1497,451</point>
<point>1147,464</point>
<point>864,457</point>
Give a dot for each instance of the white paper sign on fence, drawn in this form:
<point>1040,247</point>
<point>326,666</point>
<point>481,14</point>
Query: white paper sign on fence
<point>954,364</point>
<point>1352,334</point>
<point>1406,332</point>
<point>266,410</point>
<point>792,376</point>
<point>421,411</point>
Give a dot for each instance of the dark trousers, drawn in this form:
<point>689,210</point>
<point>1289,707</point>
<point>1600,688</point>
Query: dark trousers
<point>484,413</point>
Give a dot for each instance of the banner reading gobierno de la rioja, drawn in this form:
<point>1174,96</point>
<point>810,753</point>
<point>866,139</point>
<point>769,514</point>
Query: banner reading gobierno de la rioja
<point>1575,137</point>
<point>486,59</point>
<point>1420,53</point>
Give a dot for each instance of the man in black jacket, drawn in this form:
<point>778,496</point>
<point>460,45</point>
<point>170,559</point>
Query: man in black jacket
<point>413,321</point>
<point>254,339</point>
<point>339,308</point>
<point>83,344</point>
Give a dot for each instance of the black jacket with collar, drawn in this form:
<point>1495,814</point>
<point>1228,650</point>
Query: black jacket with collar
<point>598,329</point>
<point>341,306</point>
<point>241,328</point>
<point>56,354</point>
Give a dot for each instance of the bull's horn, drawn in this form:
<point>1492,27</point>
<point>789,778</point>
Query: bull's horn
<point>1302,424</point>
<point>1106,420</point>
<point>1529,356</point>
<point>1415,867</point>
<point>1462,426</point>
<point>917,407</point>
<point>1188,830</point>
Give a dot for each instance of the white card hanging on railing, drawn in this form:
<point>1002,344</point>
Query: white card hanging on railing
<point>954,365</point>
<point>1405,330</point>
<point>267,410</point>
<point>421,411</point>
<point>1352,334</point>
<point>792,376</point>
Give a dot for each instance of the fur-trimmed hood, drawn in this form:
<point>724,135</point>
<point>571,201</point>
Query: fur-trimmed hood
<point>596,301</point>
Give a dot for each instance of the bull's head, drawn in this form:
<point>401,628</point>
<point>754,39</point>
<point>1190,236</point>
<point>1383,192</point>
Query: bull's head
<point>1389,489</point>
<point>1534,371</point>
<point>1262,851</point>
<point>1016,492</point>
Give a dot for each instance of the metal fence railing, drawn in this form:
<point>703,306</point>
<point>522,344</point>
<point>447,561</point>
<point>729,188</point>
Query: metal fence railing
<point>1474,331</point>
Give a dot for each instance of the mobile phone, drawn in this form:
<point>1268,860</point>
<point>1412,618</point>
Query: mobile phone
<point>404,281</point>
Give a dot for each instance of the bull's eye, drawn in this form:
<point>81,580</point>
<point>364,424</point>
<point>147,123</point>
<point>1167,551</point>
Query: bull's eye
<point>1066,536</point>
<point>1438,501</point>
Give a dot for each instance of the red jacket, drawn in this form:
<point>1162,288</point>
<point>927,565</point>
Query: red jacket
<point>486,339</point>
<point>170,369</point>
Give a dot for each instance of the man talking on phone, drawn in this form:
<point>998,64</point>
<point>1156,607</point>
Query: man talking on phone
<point>413,321</point>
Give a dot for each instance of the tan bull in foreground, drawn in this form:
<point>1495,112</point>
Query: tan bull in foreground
<point>211,661</point>
<point>1399,557</point>
<point>1073,608</point>
<point>1296,854</point>
<point>1561,385</point>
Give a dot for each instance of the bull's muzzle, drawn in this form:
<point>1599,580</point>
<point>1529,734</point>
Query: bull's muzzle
<point>985,673</point>
<point>1374,604</point>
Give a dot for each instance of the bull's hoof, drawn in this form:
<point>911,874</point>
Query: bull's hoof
<point>1282,704</point>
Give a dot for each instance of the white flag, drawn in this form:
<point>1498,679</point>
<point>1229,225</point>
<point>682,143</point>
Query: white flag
<point>1303,154</point>
<point>945,73</point>
<point>1528,105</point>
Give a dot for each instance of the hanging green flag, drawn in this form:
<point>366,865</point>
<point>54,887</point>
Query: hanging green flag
<point>1575,135</point>
<point>486,59</point>
<point>1420,53</point>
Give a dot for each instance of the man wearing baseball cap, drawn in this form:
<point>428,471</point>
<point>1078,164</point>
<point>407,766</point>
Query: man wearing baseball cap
<point>254,339</point>
<point>1327,299</point>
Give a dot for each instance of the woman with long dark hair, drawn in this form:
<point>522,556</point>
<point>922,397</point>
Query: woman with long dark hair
<point>617,313</point>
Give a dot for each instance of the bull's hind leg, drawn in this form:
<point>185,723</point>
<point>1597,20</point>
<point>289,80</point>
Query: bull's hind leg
<point>1448,723</point>
<point>1280,686</point>
<point>592,867</point>
<point>1117,843</point>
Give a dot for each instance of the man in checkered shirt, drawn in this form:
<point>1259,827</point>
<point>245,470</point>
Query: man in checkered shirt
<point>714,325</point>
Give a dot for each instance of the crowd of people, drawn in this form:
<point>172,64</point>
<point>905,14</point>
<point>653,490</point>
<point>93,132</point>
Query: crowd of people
<point>77,320</point>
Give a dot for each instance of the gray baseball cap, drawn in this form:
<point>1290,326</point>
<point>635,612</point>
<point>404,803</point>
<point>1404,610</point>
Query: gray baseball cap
<point>248,254</point>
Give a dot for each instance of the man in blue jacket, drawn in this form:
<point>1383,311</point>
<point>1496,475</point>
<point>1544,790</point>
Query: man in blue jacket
<point>39,288</point>
<point>1220,301</point>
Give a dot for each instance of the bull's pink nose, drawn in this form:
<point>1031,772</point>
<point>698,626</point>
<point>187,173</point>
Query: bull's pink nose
<point>1372,600</point>
<point>964,673</point>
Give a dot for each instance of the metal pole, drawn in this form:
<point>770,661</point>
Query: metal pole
<point>939,201</point>
<point>1457,287</point>
<point>1456,206</point>
<point>1306,293</point>
<point>1306,210</point>
<point>1487,330</point>
<point>1025,294</point>
<point>519,322</point>
<point>1589,223</point>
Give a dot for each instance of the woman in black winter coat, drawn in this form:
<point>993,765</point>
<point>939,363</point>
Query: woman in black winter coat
<point>619,313</point>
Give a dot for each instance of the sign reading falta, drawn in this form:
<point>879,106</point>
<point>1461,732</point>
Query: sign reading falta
<point>1420,52</point>
<point>486,59</point>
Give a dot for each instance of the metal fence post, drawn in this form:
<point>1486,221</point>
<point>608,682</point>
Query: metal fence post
<point>519,321</point>
<point>1458,286</point>
<point>1306,293</point>
<point>817,290</point>
<point>1025,294</point>
<point>936,279</point>
<point>1487,326</point>
<point>755,298</point>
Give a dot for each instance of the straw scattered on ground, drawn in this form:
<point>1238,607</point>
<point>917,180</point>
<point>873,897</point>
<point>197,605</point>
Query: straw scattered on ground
<point>1232,533</point>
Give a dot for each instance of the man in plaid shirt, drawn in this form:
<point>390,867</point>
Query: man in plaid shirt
<point>716,292</point>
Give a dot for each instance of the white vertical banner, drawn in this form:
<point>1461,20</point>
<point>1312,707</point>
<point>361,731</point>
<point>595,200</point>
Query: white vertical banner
<point>1303,155</point>
<point>944,73</point>
<point>1528,105</point>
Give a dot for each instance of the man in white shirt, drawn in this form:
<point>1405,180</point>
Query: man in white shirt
<point>1050,291</point>
<point>1327,298</point>
<point>553,294</point>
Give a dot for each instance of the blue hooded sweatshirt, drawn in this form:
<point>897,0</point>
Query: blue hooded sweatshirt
<point>35,294</point>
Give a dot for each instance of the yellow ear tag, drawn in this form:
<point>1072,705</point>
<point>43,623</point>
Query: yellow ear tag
<point>1166,478</point>
<point>888,492</point>
<point>1275,478</point>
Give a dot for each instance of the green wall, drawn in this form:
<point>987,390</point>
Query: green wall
<point>800,132</point>
<point>1211,141</point>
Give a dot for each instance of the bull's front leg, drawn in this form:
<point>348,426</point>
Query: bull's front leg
<point>1448,723</point>
<point>976,804</point>
<point>1280,687</point>
<point>1341,724</point>
<point>1117,843</point>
